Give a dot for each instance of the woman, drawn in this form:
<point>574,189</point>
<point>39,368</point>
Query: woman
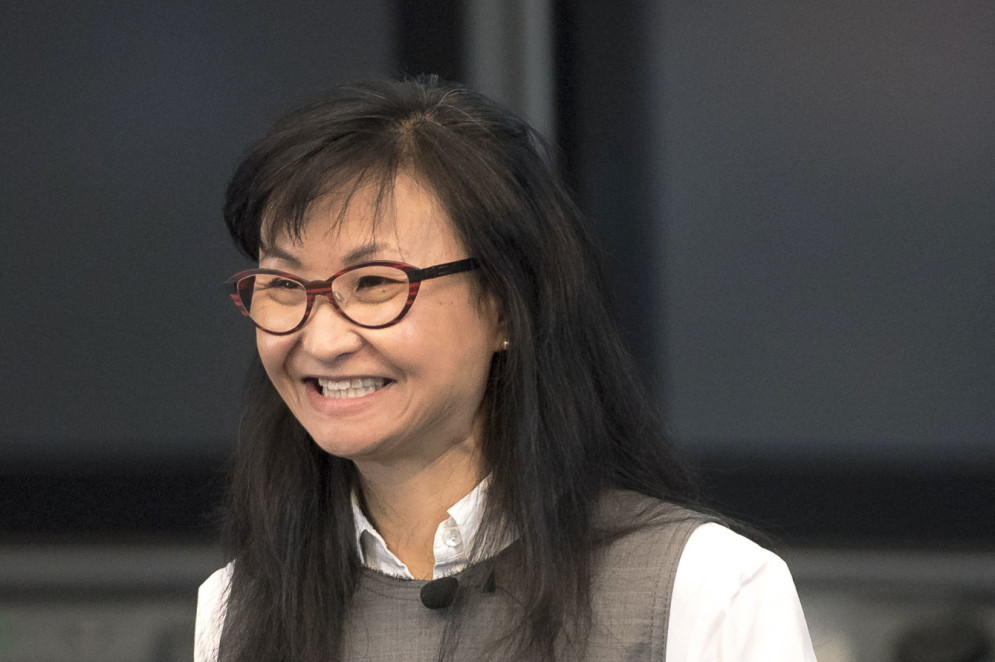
<point>441,392</point>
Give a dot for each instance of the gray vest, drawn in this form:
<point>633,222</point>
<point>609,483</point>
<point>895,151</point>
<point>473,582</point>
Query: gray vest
<point>633,579</point>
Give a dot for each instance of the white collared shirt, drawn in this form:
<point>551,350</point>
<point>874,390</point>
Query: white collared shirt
<point>733,601</point>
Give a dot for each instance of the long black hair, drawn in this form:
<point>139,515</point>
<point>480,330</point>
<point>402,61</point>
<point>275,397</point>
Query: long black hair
<point>567,418</point>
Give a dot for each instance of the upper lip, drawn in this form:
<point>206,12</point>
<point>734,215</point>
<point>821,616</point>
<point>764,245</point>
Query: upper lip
<point>346,378</point>
<point>342,378</point>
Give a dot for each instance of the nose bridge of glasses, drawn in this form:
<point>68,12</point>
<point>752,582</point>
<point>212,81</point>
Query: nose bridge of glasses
<point>333,305</point>
<point>327,291</point>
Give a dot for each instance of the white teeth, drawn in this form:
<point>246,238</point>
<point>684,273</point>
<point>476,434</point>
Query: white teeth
<point>350,388</point>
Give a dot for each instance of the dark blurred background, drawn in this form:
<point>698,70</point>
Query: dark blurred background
<point>796,203</point>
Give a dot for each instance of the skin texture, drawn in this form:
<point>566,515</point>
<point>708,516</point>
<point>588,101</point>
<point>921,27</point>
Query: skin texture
<point>415,442</point>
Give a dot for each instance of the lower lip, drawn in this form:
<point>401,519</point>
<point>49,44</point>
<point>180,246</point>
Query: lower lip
<point>342,405</point>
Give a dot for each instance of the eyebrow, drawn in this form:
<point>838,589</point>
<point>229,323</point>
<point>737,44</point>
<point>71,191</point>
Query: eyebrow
<point>279,253</point>
<point>364,252</point>
<point>356,255</point>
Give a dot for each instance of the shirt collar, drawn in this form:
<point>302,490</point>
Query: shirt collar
<point>453,538</point>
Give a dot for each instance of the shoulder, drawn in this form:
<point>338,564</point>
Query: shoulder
<point>730,598</point>
<point>216,583</point>
<point>706,550</point>
<point>733,599</point>
<point>718,558</point>
<point>211,600</point>
<point>632,511</point>
<point>213,593</point>
<point>626,522</point>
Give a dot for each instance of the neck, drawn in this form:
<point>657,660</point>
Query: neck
<point>406,502</point>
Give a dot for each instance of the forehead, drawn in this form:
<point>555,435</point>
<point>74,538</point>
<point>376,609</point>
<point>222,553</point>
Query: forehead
<point>402,217</point>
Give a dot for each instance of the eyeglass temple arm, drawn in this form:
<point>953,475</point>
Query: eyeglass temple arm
<point>438,270</point>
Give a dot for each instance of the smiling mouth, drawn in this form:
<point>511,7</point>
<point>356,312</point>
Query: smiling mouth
<point>350,388</point>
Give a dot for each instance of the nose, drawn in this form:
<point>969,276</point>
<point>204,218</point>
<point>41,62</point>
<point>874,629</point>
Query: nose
<point>327,334</point>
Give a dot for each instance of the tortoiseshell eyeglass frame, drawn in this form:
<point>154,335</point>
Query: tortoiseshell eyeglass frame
<point>324,288</point>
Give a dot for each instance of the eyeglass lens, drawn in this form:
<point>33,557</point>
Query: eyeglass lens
<point>370,296</point>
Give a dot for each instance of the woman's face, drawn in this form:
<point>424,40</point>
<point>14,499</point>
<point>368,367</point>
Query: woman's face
<point>432,365</point>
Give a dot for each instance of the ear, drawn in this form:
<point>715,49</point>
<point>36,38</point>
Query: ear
<point>493,312</point>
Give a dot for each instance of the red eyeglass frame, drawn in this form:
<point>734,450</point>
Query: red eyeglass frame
<point>313,288</point>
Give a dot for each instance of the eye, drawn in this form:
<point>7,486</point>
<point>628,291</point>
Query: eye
<point>373,282</point>
<point>271,282</point>
<point>278,289</point>
<point>284,284</point>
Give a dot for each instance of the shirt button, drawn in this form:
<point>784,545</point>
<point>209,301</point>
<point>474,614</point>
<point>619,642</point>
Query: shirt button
<point>452,538</point>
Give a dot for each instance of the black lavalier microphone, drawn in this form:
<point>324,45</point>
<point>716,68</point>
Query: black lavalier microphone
<point>439,593</point>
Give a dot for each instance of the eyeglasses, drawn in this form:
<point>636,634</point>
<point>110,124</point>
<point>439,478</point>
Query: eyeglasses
<point>373,295</point>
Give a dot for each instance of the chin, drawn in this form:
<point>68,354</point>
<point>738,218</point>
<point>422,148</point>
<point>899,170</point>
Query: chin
<point>347,449</point>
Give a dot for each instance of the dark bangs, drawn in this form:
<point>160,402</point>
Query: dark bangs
<point>311,154</point>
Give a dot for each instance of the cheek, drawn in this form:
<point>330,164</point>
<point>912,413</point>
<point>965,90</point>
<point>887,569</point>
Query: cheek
<point>271,351</point>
